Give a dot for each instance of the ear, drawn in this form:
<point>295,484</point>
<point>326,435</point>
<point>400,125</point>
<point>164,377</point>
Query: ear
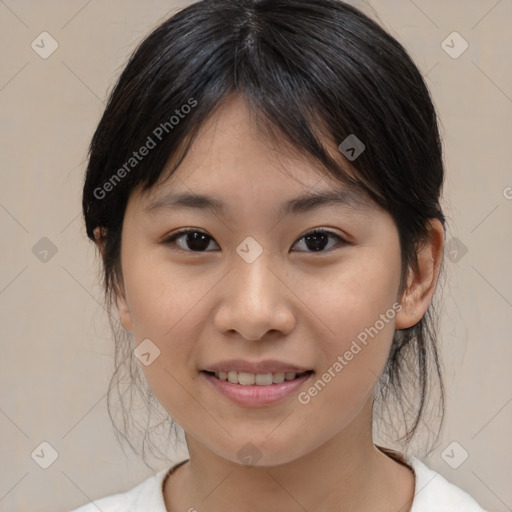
<point>125,317</point>
<point>421,283</point>
<point>122,305</point>
<point>99,236</point>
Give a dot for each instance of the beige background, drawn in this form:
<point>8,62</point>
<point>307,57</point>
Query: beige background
<point>56,350</point>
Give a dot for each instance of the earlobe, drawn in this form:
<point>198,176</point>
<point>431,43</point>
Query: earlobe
<point>99,235</point>
<point>124,311</point>
<point>122,305</point>
<point>422,281</point>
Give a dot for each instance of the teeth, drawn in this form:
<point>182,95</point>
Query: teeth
<point>277,378</point>
<point>250,379</point>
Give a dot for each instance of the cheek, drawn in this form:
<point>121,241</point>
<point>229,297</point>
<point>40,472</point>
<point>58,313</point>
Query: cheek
<point>161,295</point>
<point>167,306</point>
<point>357,305</point>
<point>352,296</point>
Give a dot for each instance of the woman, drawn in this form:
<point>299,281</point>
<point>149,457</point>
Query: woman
<point>263,188</point>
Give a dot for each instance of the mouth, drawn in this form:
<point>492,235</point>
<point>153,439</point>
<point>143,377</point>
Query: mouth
<point>260,379</point>
<point>256,389</point>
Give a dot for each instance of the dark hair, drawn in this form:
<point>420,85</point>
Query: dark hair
<point>308,69</point>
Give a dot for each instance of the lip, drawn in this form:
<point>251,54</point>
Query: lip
<point>266,366</point>
<point>254,395</point>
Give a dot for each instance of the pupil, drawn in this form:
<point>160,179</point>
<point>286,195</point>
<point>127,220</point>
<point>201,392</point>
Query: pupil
<point>316,245</point>
<point>197,241</point>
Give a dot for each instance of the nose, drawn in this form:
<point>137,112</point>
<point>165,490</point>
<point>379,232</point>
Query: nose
<point>255,300</point>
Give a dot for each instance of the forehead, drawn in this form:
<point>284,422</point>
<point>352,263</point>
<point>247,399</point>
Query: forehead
<point>233,158</point>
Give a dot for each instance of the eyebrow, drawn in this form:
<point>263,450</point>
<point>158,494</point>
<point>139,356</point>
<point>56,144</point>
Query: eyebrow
<point>351,197</point>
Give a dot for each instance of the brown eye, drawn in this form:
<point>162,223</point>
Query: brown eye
<point>317,240</point>
<point>194,240</point>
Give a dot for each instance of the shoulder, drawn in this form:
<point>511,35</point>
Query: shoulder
<point>145,496</point>
<point>433,493</point>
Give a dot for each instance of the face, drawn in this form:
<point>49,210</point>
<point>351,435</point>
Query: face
<point>249,284</point>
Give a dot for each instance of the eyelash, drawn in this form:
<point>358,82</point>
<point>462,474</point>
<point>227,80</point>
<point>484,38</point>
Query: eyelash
<point>172,239</point>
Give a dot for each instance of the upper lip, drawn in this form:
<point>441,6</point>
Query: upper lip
<point>266,366</point>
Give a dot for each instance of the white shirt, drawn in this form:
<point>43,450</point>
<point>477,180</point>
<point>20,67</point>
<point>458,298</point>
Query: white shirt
<point>433,493</point>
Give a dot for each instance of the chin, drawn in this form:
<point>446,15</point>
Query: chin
<point>263,452</point>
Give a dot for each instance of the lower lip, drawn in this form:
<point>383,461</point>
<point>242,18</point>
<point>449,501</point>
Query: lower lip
<point>255,396</point>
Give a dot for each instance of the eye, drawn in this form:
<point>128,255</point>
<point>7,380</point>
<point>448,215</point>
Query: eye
<point>195,240</point>
<point>198,241</point>
<point>317,239</point>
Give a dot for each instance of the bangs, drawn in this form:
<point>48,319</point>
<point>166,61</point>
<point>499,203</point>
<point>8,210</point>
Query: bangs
<point>311,96</point>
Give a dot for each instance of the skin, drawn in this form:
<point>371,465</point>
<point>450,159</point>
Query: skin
<point>295,305</point>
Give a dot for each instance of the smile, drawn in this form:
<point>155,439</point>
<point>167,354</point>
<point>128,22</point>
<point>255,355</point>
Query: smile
<point>256,390</point>
<point>260,379</point>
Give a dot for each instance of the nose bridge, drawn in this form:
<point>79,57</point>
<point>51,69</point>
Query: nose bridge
<point>253,300</point>
<point>255,283</point>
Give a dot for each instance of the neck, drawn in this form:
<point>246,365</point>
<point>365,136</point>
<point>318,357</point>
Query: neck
<point>345,473</point>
